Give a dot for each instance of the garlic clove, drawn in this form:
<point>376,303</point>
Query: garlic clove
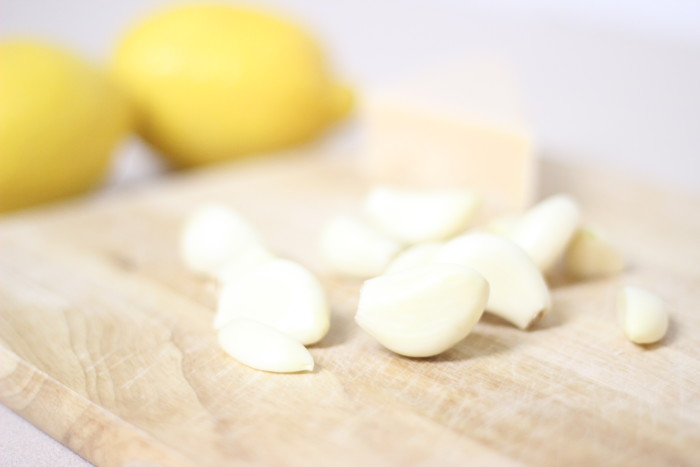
<point>415,216</point>
<point>281,294</point>
<point>417,255</point>
<point>213,236</point>
<point>261,347</point>
<point>424,310</point>
<point>518,291</point>
<point>249,258</point>
<point>352,247</point>
<point>546,229</point>
<point>591,254</point>
<point>642,315</point>
<point>504,225</point>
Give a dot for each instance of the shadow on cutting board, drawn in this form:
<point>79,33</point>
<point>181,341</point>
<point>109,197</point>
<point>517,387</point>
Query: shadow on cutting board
<point>475,345</point>
<point>341,327</point>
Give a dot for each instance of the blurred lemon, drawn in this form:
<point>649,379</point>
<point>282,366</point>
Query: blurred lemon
<point>215,82</point>
<point>59,121</point>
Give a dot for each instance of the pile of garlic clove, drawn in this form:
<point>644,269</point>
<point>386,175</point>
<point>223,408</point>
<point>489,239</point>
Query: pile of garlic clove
<point>428,278</point>
<point>269,308</point>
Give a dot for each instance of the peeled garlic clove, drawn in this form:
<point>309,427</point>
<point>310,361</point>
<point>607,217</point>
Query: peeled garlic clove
<point>214,235</point>
<point>642,315</point>
<point>263,348</point>
<point>417,255</point>
<point>281,294</point>
<point>591,254</point>
<point>249,258</point>
<point>518,291</point>
<point>351,247</point>
<point>546,229</point>
<point>413,216</point>
<point>504,225</point>
<point>424,310</point>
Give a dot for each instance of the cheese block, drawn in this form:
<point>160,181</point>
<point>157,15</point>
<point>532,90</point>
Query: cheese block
<point>461,126</point>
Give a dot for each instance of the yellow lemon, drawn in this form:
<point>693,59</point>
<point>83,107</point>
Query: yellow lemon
<point>60,119</point>
<point>214,82</point>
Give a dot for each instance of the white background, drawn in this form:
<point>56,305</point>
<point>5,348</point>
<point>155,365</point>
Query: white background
<point>607,82</point>
<point>611,83</point>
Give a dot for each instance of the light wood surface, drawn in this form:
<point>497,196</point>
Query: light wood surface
<point>106,341</point>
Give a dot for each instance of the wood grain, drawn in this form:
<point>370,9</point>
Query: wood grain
<point>106,341</point>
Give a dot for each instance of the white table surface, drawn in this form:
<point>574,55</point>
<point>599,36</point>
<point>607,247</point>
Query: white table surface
<point>613,84</point>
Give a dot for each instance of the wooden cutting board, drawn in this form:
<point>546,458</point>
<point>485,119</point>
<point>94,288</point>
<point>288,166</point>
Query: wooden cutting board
<point>106,341</point>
